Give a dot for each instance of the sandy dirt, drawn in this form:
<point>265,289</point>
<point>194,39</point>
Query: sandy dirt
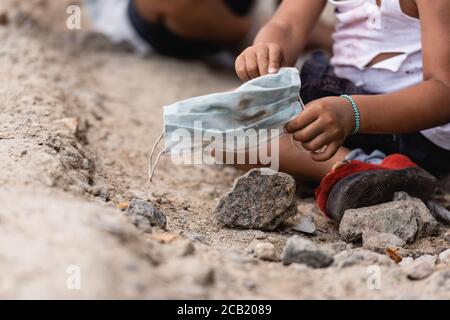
<point>78,118</point>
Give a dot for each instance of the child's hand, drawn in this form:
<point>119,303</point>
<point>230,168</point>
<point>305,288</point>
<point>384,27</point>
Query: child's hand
<point>325,122</point>
<point>258,60</point>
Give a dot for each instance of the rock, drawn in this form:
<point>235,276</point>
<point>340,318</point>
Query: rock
<point>122,205</point>
<point>101,192</point>
<point>406,261</point>
<point>439,212</point>
<point>360,256</point>
<point>333,248</point>
<point>300,250</point>
<point>306,225</point>
<point>444,257</point>
<point>379,242</point>
<point>249,285</point>
<point>394,254</point>
<point>428,226</point>
<point>72,124</point>
<point>397,217</point>
<point>427,258</point>
<point>144,215</point>
<point>260,199</point>
<point>265,251</point>
<point>418,270</point>
<point>86,164</point>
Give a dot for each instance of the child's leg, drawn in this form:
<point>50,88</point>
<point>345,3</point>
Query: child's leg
<point>296,161</point>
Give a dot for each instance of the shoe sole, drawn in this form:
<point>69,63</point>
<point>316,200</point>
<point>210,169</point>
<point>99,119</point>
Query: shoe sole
<point>368,188</point>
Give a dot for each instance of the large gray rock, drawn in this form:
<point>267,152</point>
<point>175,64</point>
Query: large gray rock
<point>300,250</point>
<point>260,199</point>
<point>397,217</point>
<point>379,242</point>
<point>144,215</point>
<point>428,225</point>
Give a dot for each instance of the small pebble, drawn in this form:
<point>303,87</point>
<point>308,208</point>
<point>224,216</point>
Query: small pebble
<point>122,205</point>
<point>379,242</point>
<point>427,258</point>
<point>85,164</point>
<point>406,261</point>
<point>306,225</point>
<point>444,257</point>
<point>300,250</point>
<point>393,253</point>
<point>144,214</point>
<point>418,270</point>
<point>265,251</point>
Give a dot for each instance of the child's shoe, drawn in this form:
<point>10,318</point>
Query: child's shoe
<point>356,184</point>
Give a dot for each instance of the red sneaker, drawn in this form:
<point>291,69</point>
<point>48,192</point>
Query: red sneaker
<point>356,184</point>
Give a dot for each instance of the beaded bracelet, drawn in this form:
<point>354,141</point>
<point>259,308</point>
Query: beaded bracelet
<point>355,111</point>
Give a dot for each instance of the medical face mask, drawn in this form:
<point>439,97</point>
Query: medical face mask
<point>217,120</point>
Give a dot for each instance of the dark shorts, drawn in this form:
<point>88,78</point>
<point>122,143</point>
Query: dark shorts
<point>168,43</point>
<point>319,80</point>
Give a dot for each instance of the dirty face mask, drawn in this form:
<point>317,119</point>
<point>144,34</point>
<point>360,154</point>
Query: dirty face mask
<point>262,104</point>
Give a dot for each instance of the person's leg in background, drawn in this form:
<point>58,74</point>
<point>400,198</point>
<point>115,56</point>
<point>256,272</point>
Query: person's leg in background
<point>191,28</point>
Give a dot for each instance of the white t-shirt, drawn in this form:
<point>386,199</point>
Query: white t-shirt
<point>363,31</point>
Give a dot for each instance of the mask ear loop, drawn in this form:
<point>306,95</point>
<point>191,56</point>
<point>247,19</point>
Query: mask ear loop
<point>152,170</point>
<point>151,167</point>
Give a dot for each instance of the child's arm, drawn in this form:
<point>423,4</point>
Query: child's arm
<point>280,42</point>
<point>329,121</point>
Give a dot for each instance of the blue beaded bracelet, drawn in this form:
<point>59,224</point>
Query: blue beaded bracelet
<point>355,111</point>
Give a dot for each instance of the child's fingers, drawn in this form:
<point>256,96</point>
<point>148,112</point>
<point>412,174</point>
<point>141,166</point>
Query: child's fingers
<point>317,143</point>
<point>241,69</point>
<point>275,58</point>
<point>262,57</point>
<point>308,133</point>
<point>301,121</point>
<point>251,64</point>
<point>329,152</point>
